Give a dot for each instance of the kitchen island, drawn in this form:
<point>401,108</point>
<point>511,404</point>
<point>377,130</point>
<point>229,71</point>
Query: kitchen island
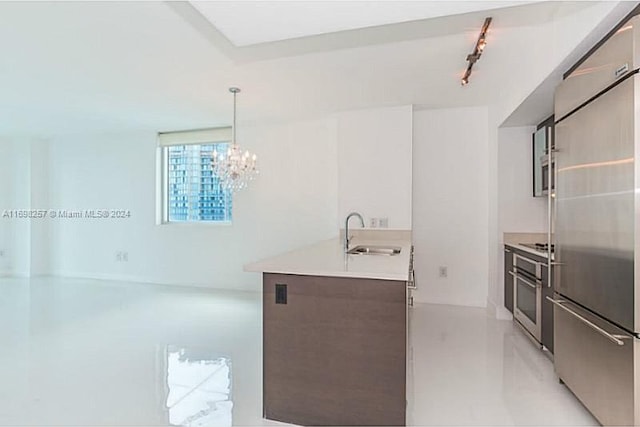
<point>334,335</point>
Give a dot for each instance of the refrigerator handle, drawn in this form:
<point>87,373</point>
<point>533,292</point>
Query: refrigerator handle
<point>617,339</point>
<point>552,184</point>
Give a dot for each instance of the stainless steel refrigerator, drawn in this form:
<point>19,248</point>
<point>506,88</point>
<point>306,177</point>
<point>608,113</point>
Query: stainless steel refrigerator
<point>597,230</point>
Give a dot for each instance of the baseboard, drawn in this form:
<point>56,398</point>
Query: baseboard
<point>21,274</point>
<point>503,314</point>
<point>142,280</point>
<point>107,277</point>
<point>447,301</point>
<point>491,309</point>
<point>498,311</point>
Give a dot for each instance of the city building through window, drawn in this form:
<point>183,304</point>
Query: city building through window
<point>188,190</point>
<point>193,192</point>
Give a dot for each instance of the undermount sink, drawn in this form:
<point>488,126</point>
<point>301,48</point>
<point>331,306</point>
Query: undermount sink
<point>374,250</point>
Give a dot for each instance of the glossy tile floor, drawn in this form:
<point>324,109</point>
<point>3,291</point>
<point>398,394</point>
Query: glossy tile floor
<point>78,352</point>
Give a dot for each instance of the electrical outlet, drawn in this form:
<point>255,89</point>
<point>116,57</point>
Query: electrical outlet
<point>118,256</point>
<point>384,222</point>
<point>1,254</point>
<point>125,256</point>
<point>442,271</point>
<point>373,222</point>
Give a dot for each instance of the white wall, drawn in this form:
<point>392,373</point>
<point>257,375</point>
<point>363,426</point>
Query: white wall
<point>6,198</point>
<point>374,165</point>
<point>292,203</point>
<point>40,245</point>
<point>15,194</point>
<point>21,199</point>
<point>450,205</point>
<point>518,210</point>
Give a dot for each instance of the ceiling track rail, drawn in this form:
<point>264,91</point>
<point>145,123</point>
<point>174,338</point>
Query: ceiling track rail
<point>474,56</point>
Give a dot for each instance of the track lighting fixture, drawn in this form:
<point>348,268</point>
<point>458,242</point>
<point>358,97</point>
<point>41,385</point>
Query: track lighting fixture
<point>473,57</point>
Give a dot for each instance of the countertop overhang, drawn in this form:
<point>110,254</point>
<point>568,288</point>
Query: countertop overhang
<point>328,258</point>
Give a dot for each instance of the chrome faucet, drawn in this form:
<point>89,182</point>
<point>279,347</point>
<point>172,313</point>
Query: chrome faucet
<point>346,228</point>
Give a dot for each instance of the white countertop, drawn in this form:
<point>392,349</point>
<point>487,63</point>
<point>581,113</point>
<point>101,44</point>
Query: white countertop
<point>327,258</point>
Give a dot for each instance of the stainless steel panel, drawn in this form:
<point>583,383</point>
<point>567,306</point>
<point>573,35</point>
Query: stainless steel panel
<point>527,334</point>
<point>565,305</point>
<point>547,319</point>
<point>636,231</point>
<point>604,66</point>
<point>636,380</point>
<point>527,305</point>
<point>595,216</point>
<point>596,369</point>
<point>527,265</point>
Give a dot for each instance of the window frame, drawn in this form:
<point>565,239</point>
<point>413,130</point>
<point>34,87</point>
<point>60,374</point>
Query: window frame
<point>162,174</point>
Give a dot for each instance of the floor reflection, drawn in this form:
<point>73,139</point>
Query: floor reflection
<point>482,371</point>
<point>94,353</point>
<point>199,389</point>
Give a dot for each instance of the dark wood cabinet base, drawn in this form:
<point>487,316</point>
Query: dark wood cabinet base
<point>334,350</point>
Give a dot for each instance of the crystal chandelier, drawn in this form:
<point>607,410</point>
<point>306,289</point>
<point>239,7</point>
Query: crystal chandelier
<point>235,168</point>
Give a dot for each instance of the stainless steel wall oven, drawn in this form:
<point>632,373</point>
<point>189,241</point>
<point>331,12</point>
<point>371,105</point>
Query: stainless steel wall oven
<point>527,297</point>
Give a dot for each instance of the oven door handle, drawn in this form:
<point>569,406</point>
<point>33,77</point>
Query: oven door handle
<point>525,281</point>
<point>536,264</point>
<point>529,260</point>
<point>611,337</point>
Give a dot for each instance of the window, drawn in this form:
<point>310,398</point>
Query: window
<point>190,190</point>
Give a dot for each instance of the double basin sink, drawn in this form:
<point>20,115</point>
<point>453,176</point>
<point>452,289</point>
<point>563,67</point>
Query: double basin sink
<point>374,250</point>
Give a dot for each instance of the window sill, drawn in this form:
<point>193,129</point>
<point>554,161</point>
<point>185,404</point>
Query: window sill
<point>197,223</point>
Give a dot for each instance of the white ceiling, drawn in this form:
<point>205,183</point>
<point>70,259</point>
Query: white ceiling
<point>80,67</point>
<point>246,23</point>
